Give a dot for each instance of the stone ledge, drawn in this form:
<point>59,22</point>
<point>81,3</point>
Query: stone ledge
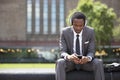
<point>86,75</point>
<point>73,75</point>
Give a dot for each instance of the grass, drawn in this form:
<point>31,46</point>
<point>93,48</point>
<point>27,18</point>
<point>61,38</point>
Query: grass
<point>27,65</point>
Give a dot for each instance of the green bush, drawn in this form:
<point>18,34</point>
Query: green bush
<point>27,55</point>
<point>17,53</point>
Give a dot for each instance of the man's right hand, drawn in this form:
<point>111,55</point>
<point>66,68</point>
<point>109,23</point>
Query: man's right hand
<point>73,58</point>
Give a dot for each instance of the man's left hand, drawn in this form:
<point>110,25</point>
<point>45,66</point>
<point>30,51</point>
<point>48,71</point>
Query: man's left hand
<point>84,60</point>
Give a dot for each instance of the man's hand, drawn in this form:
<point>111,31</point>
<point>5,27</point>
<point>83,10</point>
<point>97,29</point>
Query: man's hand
<point>71,57</point>
<point>76,60</point>
<point>84,60</point>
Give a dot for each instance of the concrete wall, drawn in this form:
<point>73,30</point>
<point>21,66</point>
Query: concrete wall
<point>12,19</point>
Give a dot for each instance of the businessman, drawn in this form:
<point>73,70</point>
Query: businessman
<point>77,47</point>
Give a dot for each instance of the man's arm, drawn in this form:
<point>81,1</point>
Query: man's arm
<point>91,46</point>
<point>90,49</point>
<point>63,45</point>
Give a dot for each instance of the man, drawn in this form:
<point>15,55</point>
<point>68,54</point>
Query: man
<point>83,44</point>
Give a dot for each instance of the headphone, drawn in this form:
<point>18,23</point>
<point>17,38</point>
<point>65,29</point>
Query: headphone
<point>78,15</point>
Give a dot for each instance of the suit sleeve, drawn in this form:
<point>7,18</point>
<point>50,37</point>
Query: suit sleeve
<point>91,47</point>
<point>63,45</point>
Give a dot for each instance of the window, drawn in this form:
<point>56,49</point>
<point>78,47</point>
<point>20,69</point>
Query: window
<point>61,14</point>
<point>29,16</point>
<point>45,16</point>
<point>37,17</point>
<point>52,19</point>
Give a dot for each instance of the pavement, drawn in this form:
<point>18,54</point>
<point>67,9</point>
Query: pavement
<point>26,70</point>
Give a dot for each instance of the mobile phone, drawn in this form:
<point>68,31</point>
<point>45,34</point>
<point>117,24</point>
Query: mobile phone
<point>79,56</point>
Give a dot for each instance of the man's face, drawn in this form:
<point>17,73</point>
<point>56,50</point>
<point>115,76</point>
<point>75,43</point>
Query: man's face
<point>78,25</point>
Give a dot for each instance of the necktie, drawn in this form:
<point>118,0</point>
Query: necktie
<point>77,45</point>
<point>77,50</point>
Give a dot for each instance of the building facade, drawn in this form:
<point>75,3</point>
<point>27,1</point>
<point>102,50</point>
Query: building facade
<point>28,23</point>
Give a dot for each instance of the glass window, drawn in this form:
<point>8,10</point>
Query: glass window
<point>53,17</point>
<point>45,17</point>
<point>37,17</point>
<point>29,16</point>
<point>61,14</point>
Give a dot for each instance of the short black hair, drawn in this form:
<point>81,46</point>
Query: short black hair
<point>78,15</point>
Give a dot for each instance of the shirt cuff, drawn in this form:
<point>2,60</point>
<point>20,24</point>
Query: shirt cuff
<point>65,57</point>
<point>90,58</point>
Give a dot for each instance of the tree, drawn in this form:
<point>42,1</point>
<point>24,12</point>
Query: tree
<point>116,32</point>
<point>100,17</point>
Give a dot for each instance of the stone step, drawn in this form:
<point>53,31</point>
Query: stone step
<point>49,74</point>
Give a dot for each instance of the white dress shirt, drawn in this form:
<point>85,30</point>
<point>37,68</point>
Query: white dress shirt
<point>80,41</point>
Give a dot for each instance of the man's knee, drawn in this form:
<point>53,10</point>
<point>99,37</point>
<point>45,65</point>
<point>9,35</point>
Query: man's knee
<point>98,61</point>
<point>60,62</point>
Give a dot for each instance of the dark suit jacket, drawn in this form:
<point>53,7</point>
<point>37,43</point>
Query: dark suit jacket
<point>88,41</point>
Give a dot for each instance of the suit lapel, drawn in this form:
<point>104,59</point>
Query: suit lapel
<point>83,39</point>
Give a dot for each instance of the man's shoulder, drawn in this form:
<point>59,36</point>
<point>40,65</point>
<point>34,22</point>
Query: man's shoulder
<point>67,28</point>
<point>88,27</point>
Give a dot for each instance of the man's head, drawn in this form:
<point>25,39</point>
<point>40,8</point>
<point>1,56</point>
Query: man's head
<point>78,21</point>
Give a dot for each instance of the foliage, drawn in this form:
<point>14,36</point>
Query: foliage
<point>116,32</point>
<point>100,17</point>
<point>109,55</point>
<point>28,55</point>
<point>17,53</point>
